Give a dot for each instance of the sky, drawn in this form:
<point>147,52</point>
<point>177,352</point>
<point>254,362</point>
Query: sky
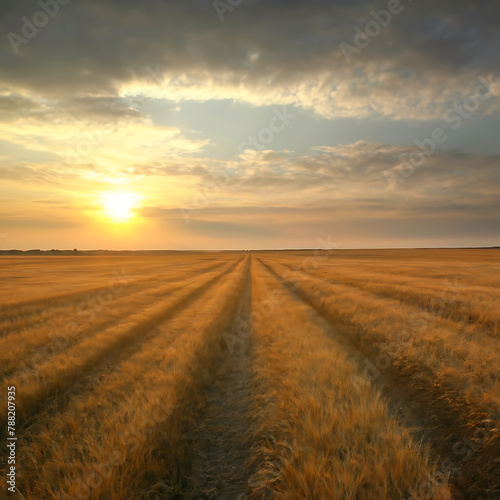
<point>231,124</point>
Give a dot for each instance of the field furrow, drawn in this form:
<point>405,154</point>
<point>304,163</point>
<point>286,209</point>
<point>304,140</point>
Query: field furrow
<point>59,397</point>
<point>55,374</point>
<point>301,374</point>
<point>221,438</point>
<point>440,347</point>
<point>325,432</point>
<point>410,365</point>
<point>44,342</point>
<point>22,315</point>
<point>448,298</point>
<point>120,439</point>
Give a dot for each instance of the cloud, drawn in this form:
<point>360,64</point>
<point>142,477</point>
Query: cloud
<point>16,103</point>
<point>265,52</point>
<point>344,179</point>
<point>22,154</point>
<point>368,223</point>
<point>80,106</point>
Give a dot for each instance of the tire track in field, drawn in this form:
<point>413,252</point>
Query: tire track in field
<point>47,343</point>
<point>59,399</point>
<point>56,303</point>
<point>487,325</point>
<point>169,371</point>
<point>220,442</point>
<point>482,343</point>
<point>430,413</point>
<point>11,326</point>
<point>54,398</point>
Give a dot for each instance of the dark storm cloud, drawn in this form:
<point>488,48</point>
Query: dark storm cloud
<point>92,47</point>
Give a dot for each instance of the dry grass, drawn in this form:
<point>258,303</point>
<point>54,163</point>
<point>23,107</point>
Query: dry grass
<point>118,379</point>
<point>322,435</point>
<point>458,354</point>
<point>42,339</point>
<point>115,436</point>
<point>450,297</point>
<point>37,279</point>
<point>95,344</point>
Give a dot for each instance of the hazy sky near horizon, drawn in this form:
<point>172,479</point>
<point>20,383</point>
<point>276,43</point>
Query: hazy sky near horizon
<point>249,123</point>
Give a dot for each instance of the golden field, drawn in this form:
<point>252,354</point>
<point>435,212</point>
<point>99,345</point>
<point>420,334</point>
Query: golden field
<point>327,374</point>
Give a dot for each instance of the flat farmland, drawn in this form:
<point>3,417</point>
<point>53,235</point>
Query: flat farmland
<point>321,374</point>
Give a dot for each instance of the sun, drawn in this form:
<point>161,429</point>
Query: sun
<point>119,206</point>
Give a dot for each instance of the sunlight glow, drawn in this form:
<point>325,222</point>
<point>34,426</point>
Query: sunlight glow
<point>119,206</point>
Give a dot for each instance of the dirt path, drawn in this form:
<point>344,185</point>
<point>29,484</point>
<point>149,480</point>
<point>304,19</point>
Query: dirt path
<point>220,441</point>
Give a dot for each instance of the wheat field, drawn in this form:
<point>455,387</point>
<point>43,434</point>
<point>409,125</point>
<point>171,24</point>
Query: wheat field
<point>321,374</point>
